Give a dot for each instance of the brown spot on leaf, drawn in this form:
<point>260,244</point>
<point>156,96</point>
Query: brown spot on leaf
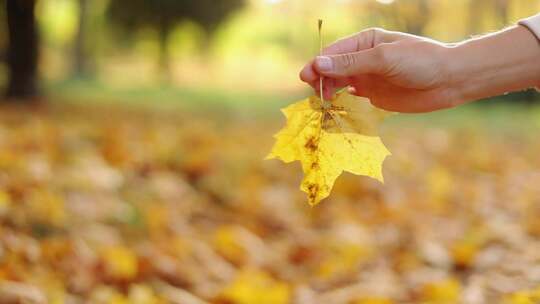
<point>313,189</point>
<point>327,120</point>
<point>312,144</point>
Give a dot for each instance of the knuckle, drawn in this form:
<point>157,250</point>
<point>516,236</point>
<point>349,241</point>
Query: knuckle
<point>384,105</point>
<point>376,102</point>
<point>369,36</point>
<point>383,53</point>
<point>347,61</point>
<point>303,76</point>
<point>372,30</point>
<point>306,73</point>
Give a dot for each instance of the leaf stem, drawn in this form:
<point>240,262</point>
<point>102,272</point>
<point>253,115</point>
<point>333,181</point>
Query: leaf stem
<point>320,53</point>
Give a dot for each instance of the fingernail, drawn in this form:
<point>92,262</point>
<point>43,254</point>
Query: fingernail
<point>324,63</point>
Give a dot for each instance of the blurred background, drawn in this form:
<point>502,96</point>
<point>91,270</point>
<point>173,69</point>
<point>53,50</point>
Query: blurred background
<point>105,49</point>
<point>132,138</point>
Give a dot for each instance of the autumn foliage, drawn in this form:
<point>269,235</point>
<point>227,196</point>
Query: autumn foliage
<point>329,137</point>
<point>126,206</point>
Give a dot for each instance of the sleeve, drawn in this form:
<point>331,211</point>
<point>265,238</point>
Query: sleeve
<point>533,24</point>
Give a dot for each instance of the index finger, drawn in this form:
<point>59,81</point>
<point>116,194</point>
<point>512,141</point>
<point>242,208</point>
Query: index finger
<point>353,43</point>
<point>308,74</point>
<point>363,40</point>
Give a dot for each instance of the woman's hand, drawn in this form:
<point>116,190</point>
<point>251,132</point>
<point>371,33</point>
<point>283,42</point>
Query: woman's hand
<point>397,72</point>
<point>405,73</point>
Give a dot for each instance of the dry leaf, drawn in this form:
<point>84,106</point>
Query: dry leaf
<point>120,262</point>
<point>256,287</point>
<point>329,138</point>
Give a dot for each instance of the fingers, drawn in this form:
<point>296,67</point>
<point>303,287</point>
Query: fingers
<point>363,40</point>
<point>371,61</point>
<point>387,96</point>
<point>330,85</point>
<point>362,86</point>
<point>329,88</point>
<point>308,74</point>
<point>422,102</point>
<point>347,57</point>
<point>354,43</point>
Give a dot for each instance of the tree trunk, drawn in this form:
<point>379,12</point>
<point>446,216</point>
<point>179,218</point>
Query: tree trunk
<point>474,16</point>
<point>501,8</point>
<point>81,56</point>
<point>22,56</point>
<point>164,58</point>
<point>417,25</point>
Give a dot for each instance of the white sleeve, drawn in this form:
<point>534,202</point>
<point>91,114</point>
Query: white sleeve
<point>533,24</point>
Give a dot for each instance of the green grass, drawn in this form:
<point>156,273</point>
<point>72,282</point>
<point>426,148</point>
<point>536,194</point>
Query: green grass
<point>165,96</point>
<point>506,113</point>
<point>489,114</point>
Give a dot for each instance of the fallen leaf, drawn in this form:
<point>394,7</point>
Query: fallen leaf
<point>445,291</point>
<point>256,287</point>
<point>120,262</point>
<point>331,137</point>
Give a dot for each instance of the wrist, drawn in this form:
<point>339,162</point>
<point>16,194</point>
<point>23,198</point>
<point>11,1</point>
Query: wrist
<point>456,71</point>
<point>465,73</point>
<point>492,65</point>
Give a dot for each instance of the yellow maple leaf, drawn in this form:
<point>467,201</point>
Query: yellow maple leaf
<point>329,138</point>
<point>445,291</point>
<point>120,262</point>
<point>253,286</point>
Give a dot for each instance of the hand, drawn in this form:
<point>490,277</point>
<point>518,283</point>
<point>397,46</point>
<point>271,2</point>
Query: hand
<point>405,73</point>
<point>396,71</point>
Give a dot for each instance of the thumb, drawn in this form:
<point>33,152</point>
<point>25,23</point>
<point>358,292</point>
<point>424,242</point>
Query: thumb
<point>350,64</point>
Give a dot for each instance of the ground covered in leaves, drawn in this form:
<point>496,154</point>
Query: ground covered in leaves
<point>103,205</point>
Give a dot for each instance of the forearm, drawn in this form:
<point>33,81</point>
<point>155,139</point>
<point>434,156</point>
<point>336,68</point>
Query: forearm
<point>502,62</point>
